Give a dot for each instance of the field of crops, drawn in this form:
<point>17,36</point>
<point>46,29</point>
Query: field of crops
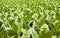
<point>29,18</point>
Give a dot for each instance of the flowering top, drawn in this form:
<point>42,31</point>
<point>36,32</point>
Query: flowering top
<point>44,28</point>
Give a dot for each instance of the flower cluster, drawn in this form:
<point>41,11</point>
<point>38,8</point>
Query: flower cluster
<point>44,28</point>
